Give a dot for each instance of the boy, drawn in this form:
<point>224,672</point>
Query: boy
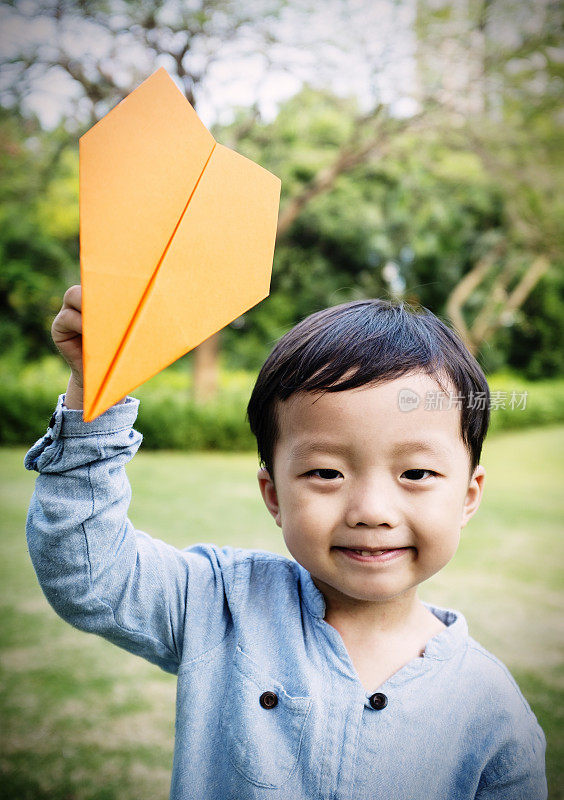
<point>323,677</point>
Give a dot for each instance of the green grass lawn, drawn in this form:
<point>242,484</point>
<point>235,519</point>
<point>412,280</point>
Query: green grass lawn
<point>82,720</point>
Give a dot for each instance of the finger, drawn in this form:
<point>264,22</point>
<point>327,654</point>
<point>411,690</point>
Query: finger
<point>68,321</point>
<point>73,298</point>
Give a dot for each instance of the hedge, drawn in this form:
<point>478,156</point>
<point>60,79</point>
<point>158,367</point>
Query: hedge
<point>169,419</point>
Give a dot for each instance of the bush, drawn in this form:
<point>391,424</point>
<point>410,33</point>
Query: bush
<point>544,402</point>
<point>27,398</point>
<point>176,423</point>
<point>169,419</point>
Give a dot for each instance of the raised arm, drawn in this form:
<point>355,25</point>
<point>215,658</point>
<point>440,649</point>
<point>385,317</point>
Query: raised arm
<point>96,570</point>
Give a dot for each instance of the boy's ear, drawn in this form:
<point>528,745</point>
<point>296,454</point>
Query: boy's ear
<point>269,495</point>
<point>473,494</point>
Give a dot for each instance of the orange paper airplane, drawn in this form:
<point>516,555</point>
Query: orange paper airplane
<point>176,238</point>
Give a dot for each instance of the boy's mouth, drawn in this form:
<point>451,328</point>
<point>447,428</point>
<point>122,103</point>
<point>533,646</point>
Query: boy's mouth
<point>373,553</point>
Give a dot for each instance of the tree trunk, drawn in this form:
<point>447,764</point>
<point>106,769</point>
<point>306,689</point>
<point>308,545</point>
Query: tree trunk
<point>499,306</point>
<point>206,370</point>
<point>462,291</point>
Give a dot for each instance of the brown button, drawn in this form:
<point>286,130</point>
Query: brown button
<point>268,700</point>
<point>378,701</point>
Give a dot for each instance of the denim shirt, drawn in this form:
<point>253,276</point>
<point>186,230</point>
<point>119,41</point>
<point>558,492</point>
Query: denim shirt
<point>268,702</point>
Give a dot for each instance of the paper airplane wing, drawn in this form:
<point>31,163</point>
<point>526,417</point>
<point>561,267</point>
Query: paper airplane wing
<point>176,238</point>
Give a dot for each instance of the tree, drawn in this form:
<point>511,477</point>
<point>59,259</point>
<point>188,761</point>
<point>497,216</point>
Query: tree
<point>437,194</point>
<point>501,95</point>
<point>132,38</point>
<point>105,48</point>
<point>138,35</point>
<point>421,208</point>
<point>431,210</point>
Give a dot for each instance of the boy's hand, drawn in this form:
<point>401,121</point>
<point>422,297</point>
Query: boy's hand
<point>67,335</point>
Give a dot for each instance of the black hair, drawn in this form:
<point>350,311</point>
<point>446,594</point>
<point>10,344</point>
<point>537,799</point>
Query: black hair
<point>361,343</point>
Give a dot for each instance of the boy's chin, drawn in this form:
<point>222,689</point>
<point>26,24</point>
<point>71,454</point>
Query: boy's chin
<point>361,596</point>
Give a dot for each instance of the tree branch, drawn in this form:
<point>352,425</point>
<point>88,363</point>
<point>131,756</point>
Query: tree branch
<point>349,156</point>
<point>533,274</point>
<point>527,283</point>
<point>495,299</point>
<point>464,289</point>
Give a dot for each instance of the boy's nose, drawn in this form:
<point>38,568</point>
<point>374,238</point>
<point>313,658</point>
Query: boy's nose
<point>372,506</point>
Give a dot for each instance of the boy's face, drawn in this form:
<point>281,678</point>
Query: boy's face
<point>371,499</point>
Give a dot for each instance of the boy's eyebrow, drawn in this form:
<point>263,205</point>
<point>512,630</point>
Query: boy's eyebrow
<point>420,445</point>
<point>306,447</point>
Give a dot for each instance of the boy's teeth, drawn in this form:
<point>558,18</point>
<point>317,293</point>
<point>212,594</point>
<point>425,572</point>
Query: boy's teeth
<point>370,552</point>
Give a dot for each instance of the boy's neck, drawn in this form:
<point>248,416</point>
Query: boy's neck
<point>381,638</point>
<point>377,616</point>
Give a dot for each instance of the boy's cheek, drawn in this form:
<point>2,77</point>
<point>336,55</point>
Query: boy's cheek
<point>296,502</point>
<point>310,512</point>
<point>436,552</point>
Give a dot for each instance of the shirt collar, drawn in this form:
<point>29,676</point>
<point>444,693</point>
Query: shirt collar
<point>445,644</point>
<point>313,599</point>
<point>441,647</point>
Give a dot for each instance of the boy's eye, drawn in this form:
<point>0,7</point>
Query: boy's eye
<point>417,474</point>
<point>325,474</point>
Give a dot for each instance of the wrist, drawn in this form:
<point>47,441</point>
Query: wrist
<point>74,395</point>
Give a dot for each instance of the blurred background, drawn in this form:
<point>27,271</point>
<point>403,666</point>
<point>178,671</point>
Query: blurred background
<point>419,147</point>
<point>419,143</point>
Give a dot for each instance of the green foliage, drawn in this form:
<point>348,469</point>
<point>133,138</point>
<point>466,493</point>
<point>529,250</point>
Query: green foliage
<point>57,206</point>
<point>303,138</point>
<point>31,285</point>
<point>38,233</point>
<point>27,397</point>
<point>535,346</point>
<point>430,208</point>
<point>177,423</point>
<point>168,417</point>
<point>429,204</point>
<point>543,402</point>
<point>170,420</point>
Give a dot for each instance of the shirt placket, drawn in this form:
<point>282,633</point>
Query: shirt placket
<point>344,707</point>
